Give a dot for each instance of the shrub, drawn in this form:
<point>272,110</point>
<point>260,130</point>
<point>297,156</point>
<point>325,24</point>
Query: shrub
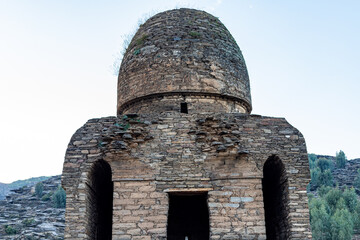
<point>320,219</point>
<point>59,198</point>
<point>10,230</point>
<point>341,225</point>
<point>340,159</point>
<point>28,222</point>
<point>194,34</point>
<point>323,190</point>
<point>39,188</point>
<point>324,164</point>
<point>47,197</point>
<point>325,178</point>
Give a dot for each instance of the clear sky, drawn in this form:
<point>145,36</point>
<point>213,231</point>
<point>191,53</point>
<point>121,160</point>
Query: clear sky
<point>57,57</point>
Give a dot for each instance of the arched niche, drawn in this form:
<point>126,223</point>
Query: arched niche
<point>99,201</point>
<point>276,203</point>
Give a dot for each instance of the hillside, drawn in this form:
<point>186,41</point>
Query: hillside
<point>344,177</point>
<point>5,188</point>
<point>25,216</point>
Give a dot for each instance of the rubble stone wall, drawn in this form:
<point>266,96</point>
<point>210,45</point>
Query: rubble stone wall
<point>183,50</point>
<point>195,103</point>
<point>153,154</point>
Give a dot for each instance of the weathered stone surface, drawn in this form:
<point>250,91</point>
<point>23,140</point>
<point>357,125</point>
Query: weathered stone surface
<point>183,55</point>
<point>187,129</point>
<point>142,177</point>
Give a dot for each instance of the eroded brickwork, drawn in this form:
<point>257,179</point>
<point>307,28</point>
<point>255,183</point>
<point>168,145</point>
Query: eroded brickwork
<point>223,154</point>
<point>184,133</point>
<point>186,51</point>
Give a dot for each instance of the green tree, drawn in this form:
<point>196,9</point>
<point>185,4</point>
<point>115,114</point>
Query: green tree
<point>320,220</point>
<point>323,190</point>
<point>312,160</point>
<point>314,173</point>
<point>340,159</point>
<point>324,164</point>
<point>325,178</point>
<point>356,217</point>
<point>59,198</point>
<point>39,188</point>
<point>321,176</point>
<point>334,214</point>
<point>332,198</point>
<point>350,198</point>
<point>341,224</point>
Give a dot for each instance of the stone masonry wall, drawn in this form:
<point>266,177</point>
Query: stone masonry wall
<point>154,154</point>
<point>195,103</point>
<point>183,50</point>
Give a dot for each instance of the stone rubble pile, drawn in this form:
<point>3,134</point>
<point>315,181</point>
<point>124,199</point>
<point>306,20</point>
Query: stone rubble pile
<point>344,177</point>
<point>32,218</point>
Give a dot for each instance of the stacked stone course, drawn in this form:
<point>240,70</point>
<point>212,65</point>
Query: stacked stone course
<point>184,128</point>
<point>221,153</point>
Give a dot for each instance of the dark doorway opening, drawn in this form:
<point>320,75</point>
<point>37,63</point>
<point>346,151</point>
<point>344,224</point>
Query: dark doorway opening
<point>275,190</point>
<point>188,216</point>
<point>183,108</point>
<point>100,201</point>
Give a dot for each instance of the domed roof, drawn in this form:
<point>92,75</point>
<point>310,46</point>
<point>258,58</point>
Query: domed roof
<point>183,51</point>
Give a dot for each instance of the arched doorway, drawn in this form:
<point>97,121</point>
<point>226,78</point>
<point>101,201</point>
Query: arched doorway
<point>99,201</point>
<point>275,190</point>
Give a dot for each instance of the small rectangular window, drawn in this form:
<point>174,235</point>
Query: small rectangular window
<point>183,108</point>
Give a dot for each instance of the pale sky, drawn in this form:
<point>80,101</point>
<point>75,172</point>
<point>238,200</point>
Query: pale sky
<point>57,57</point>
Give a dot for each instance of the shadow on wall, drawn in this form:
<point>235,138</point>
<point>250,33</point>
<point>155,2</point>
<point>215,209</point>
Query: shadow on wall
<point>275,190</point>
<point>99,201</point>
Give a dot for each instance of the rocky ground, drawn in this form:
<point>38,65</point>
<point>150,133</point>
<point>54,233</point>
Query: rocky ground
<point>24,216</point>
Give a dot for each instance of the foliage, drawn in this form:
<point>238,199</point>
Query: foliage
<point>28,222</point>
<point>59,198</point>
<point>341,225</point>
<point>334,214</point>
<point>325,178</point>
<point>320,219</point>
<point>137,51</point>
<point>141,40</point>
<point>194,34</point>
<point>320,170</point>
<point>39,188</point>
<point>10,230</point>
<point>340,159</point>
<point>324,164</point>
<point>323,190</point>
<point>312,157</point>
<point>47,197</point>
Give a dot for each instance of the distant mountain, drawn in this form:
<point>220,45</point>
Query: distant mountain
<point>5,188</point>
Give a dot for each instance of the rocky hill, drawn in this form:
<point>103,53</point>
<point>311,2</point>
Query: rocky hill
<point>25,216</point>
<point>344,177</point>
<point>5,188</point>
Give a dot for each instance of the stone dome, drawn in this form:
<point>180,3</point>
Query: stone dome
<point>183,58</point>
